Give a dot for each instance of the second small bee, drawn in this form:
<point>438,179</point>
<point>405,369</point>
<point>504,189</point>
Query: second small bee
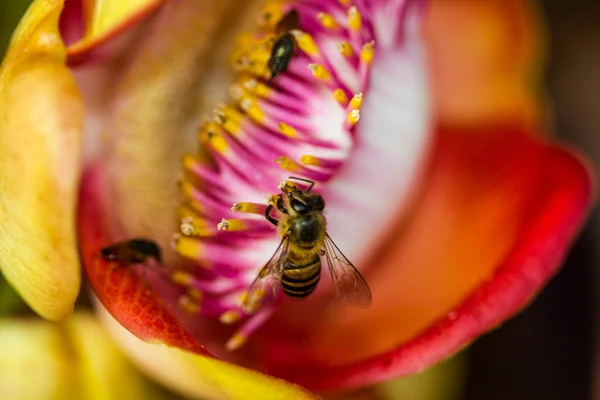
<point>285,45</point>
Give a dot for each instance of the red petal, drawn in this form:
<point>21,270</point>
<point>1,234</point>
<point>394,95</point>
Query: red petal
<point>121,291</point>
<point>475,176</point>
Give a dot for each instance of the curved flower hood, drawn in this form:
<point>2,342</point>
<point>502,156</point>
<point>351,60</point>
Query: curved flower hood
<point>455,222</point>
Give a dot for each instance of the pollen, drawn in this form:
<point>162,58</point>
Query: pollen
<point>248,207</point>
<point>182,278</point>
<point>327,20</point>
<point>286,130</point>
<point>223,225</point>
<point>340,96</point>
<point>368,52</point>
<point>353,117</point>
<point>345,49</point>
<point>248,104</point>
<point>356,101</point>
<point>354,19</point>
<point>319,72</point>
<point>230,317</point>
<point>232,225</point>
<point>288,164</point>
<point>189,305</point>
<point>305,42</point>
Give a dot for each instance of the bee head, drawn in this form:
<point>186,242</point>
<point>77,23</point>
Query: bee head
<point>303,201</point>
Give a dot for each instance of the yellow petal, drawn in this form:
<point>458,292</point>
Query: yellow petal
<point>201,377</point>
<point>40,155</point>
<point>71,360</point>
<point>103,18</point>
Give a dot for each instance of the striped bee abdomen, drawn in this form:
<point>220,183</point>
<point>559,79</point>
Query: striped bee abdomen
<point>301,280</point>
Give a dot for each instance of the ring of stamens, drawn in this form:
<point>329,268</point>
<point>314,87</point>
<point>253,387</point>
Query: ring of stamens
<point>259,128</point>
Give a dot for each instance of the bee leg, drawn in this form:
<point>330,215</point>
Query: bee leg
<point>268,215</point>
<point>280,206</point>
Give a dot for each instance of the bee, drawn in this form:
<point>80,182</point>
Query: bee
<point>133,251</point>
<point>284,47</point>
<point>295,266</point>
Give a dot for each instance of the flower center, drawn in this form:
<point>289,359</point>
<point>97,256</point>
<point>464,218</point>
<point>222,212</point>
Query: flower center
<point>292,110</point>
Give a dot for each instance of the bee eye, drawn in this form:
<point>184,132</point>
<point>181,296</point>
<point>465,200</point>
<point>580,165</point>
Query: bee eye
<point>318,203</point>
<point>299,206</point>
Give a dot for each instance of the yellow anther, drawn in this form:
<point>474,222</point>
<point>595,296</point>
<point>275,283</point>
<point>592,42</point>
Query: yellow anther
<point>188,305</point>
<point>250,106</point>
<point>247,207</point>
<point>232,225</point>
<point>319,72</point>
<point>229,317</point>
<point>368,52</point>
<point>287,164</point>
<point>236,91</point>
<point>216,141</point>
<point>253,86</point>
<point>236,341</point>
<point>345,49</point>
<point>270,15</point>
<point>182,278</point>
<point>194,293</point>
<point>309,160</point>
<point>327,20</point>
<point>353,116</point>
<point>272,198</point>
<point>340,96</point>
<point>305,42</point>
<point>354,19</point>
<point>189,247</point>
<point>286,130</point>
<point>356,101</point>
<point>345,2</point>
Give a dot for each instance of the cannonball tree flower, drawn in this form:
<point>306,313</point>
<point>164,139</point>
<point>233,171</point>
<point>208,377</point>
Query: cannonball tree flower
<point>455,219</point>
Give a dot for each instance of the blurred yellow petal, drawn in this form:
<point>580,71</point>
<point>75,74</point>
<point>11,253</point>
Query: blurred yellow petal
<point>103,19</point>
<point>70,360</point>
<point>201,377</point>
<point>40,157</point>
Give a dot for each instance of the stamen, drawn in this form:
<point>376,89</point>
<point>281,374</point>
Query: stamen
<point>248,207</point>
<point>319,72</point>
<point>340,96</point>
<point>327,20</point>
<point>286,130</point>
<point>368,52</point>
<point>346,50</point>
<point>354,19</point>
<point>319,162</point>
<point>230,317</point>
<point>191,226</point>
<point>353,117</point>
<point>189,305</point>
<point>259,123</point>
<point>356,101</point>
<point>306,43</point>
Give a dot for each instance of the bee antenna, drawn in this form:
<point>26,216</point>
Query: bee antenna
<point>311,183</point>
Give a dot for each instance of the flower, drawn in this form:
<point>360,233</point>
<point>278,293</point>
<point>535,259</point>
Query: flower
<point>464,218</point>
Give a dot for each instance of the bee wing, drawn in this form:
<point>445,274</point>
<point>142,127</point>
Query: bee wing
<point>289,21</point>
<point>348,283</point>
<point>266,286</point>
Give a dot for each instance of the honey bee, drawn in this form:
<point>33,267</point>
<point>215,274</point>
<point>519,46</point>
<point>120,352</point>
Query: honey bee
<point>133,251</point>
<point>283,49</point>
<point>296,264</point>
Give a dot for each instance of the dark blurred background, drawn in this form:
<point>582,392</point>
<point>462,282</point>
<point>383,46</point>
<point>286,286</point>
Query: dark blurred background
<point>548,352</point>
